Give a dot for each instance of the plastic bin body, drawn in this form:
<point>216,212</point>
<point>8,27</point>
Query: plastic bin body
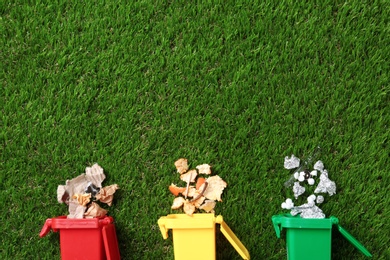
<point>194,236</point>
<point>308,239</point>
<point>190,233</point>
<point>85,239</point>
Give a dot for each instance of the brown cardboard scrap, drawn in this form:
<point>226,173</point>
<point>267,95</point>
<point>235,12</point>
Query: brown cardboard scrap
<point>106,194</point>
<point>62,194</point>
<point>95,175</point>
<point>82,199</point>
<point>94,210</point>
<point>75,209</point>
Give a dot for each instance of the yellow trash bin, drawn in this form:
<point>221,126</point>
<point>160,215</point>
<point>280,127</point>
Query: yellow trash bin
<point>188,231</point>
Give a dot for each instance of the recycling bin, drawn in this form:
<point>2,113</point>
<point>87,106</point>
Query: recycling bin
<point>308,239</point>
<point>87,239</point>
<point>198,229</point>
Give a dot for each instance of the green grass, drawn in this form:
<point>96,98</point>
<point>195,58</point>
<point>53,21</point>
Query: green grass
<point>135,86</point>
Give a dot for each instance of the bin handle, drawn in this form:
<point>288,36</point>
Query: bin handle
<point>107,220</point>
<point>46,228</point>
<point>236,243</point>
<point>163,229</point>
<point>277,227</point>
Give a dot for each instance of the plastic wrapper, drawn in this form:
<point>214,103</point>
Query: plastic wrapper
<point>92,189</point>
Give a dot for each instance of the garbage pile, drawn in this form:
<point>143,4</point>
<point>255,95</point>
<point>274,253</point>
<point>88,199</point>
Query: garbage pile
<point>302,182</point>
<point>201,192</point>
<point>82,193</point>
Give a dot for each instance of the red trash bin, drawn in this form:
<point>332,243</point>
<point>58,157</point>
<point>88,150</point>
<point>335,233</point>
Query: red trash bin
<point>93,238</point>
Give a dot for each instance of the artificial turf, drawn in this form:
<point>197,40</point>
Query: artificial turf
<point>134,86</point>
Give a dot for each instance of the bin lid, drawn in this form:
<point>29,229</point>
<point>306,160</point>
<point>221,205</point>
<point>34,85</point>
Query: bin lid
<point>353,241</point>
<point>232,238</point>
<point>110,242</point>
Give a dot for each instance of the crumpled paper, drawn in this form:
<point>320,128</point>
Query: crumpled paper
<point>94,210</point>
<point>79,192</point>
<point>82,199</point>
<point>106,194</point>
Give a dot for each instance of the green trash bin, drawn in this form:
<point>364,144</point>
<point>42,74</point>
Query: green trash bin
<point>311,238</point>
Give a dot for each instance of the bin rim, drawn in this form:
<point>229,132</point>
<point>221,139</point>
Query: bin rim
<point>289,221</point>
<point>201,220</point>
<point>62,222</point>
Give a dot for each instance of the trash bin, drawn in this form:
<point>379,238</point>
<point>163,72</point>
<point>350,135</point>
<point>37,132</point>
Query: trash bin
<point>311,238</point>
<point>197,230</point>
<point>93,238</point>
